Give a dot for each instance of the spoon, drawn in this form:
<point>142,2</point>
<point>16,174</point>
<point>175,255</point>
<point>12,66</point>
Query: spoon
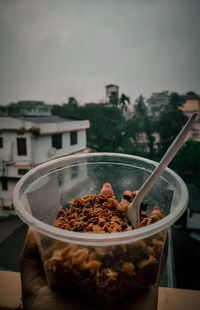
<point>134,208</point>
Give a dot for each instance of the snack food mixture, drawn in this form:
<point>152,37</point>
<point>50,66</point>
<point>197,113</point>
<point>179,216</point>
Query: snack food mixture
<point>111,272</point>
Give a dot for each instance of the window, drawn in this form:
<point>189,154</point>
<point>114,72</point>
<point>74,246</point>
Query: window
<point>4,184</point>
<point>56,141</point>
<point>22,171</point>
<point>1,142</point>
<point>21,146</point>
<point>196,135</point>
<point>73,137</point>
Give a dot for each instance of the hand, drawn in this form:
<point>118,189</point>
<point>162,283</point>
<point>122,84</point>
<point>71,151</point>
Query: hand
<point>36,294</point>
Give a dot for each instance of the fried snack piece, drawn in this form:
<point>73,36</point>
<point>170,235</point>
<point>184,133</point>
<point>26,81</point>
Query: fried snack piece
<point>110,273</point>
<point>105,273</point>
<point>93,214</point>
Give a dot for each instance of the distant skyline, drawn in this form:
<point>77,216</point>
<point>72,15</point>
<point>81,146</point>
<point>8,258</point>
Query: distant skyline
<point>51,50</point>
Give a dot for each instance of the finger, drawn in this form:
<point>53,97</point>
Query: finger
<point>32,272</point>
<point>30,249</point>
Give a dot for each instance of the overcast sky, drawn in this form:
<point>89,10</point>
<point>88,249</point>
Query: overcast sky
<point>53,49</point>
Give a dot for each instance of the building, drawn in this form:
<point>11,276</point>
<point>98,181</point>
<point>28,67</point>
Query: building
<point>28,141</point>
<point>190,106</point>
<point>26,108</point>
<point>34,108</point>
<point>112,94</point>
<point>156,103</point>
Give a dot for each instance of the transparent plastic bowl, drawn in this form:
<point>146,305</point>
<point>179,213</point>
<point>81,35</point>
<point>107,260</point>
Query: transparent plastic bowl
<point>106,266</point>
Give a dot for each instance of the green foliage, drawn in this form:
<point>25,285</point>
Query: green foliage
<point>191,95</point>
<point>186,162</point>
<point>175,101</point>
<point>142,124</point>
<point>69,109</point>
<point>106,124</point>
<point>149,129</point>
<point>124,101</point>
<point>140,109</point>
<point>132,129</point>
<point>11,109</point>
<point>57,110</point>
<point>110,132</point>
<point>72,101</point>
<point>171,121</point>
<point>169,125</point>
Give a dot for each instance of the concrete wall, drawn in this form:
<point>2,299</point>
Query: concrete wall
<point>42,146</point>
<point>60,126</point>
<point>6,195</point>
<point>9,150</point>
<point>39,148</point>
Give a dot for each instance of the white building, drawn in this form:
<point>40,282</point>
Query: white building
<point>27,142</point>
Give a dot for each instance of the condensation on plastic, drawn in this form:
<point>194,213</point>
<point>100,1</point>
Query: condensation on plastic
<point>39,194</point>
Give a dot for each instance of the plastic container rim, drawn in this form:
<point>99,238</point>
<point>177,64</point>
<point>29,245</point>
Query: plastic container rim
<point>95,239</point>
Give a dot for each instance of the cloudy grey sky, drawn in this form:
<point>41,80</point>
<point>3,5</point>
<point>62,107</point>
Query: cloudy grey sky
<point>53,49</point>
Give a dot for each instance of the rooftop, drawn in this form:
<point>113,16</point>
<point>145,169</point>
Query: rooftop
<point>190,105</point>
<point>46,119</point>
<point>31,123</point>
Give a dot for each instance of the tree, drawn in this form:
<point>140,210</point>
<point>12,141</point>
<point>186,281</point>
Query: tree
<point>169,125</point>
<point>57,110</point>
<point>170,122</point>
<point>69,109</point>
<point>149,129</point>
<point>132,129</point>
<point>13,109</point>
<point>106,126</point>
<point>144,126</point>
<point>124,101</point>
<point>192,95</point>
<point>3,110</point>
<point>175,101</point>
<point>72,101</point>
<point>186,162</point>
<point>140,109</point>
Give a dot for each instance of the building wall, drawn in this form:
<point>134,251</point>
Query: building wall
<point>9,150</point>
<point>17,170</point>
<point>156,102</point>
<point>190,106</point>
<point>38,149</point>
<point>60,126</point>
<point>42,146</point>
<point>110,89</point>
<point>6,195</point>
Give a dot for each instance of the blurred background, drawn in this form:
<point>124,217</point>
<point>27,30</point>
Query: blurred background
<point>106,76</point>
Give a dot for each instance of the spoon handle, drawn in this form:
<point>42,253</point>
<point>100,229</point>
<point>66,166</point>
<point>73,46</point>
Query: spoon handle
<point>169,155</point>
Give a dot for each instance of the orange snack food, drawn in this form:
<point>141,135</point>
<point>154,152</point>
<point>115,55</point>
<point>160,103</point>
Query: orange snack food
<point>107,190</point>
<point>106,274</point>
<point>94,213</point>
<point>101,213</point>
